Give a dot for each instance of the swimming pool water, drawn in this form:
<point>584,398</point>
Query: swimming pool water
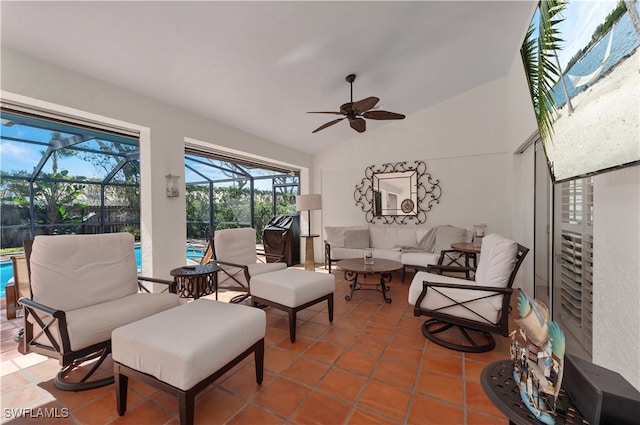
<point>6,267</point>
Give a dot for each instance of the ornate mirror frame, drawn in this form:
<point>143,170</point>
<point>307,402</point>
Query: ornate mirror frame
<point>422,192</point>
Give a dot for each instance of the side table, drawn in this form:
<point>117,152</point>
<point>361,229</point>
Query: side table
<point>498,384</point>
<point>196,281</point>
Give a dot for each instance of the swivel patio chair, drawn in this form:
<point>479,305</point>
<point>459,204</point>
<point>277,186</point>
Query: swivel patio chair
<point>82,288</point>
<point>234,250</point>
<point>464,314</point>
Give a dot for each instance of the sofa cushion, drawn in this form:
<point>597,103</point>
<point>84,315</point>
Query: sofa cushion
<point>339,253</point>
<point>387,254</point>
<point>447,235</point>
<point>335,235</point>
<point>391,236</point>
<point>356,238</point>
<point>422,259</point>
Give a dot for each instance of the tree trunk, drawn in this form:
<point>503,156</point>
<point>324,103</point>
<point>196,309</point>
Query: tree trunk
<point>633,13</point>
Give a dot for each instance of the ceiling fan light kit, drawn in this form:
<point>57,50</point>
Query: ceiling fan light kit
<point>355,112</point>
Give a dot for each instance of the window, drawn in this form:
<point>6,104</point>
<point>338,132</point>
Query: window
<point>60,176</point>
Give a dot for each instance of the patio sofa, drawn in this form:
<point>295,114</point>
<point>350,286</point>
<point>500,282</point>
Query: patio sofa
<point>416,247</point>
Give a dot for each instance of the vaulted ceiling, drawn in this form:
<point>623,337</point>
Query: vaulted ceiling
<point>260,66</point>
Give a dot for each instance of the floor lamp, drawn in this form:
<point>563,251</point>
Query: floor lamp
<point>309,203</point>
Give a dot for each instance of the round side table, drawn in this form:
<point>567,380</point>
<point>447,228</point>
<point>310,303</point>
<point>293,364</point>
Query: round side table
<point>196,281</point>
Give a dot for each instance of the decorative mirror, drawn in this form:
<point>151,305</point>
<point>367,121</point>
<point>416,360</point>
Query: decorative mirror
<point>401,192</point>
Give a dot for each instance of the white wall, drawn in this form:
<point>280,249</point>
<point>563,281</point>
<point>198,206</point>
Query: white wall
<point>465,145</point>
<point>616,272</point>
<point>162,145</point>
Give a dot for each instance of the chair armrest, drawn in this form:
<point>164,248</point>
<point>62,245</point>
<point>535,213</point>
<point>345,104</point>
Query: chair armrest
<point>427,284</point>
<point>170,283</point>
<point>439,269</point>
<point>278,256</point>
<point>33,308</point>
<point>41,307</point>
<point>227,263</point>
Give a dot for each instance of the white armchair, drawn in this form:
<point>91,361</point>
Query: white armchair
<point>234,250</point>
<point>82,288</point>
<point>463,313</point>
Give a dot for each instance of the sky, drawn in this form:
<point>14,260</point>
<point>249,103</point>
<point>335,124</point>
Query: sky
<point>581,19</point>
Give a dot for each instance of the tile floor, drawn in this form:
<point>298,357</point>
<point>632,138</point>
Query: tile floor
<point>371,366</point>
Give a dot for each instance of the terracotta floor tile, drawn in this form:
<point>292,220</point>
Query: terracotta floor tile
<point>405,336</point>
<point>25,396</point>
<point>479,418</point>
<point>282,396</point>
<point>306,371</point>
<point>311,329</point>
<point>350,323</point>
<point>321,409</point>
<point>386,399</point>
<point>396,373</point>
<point>365,417</point>
<point>357,362</point>
<point>324,352</point>
<point>426,410</point>
<point>441,386</point>
<point>243,382</point>
<point>382,331</point>
<point>145,413</point>
<point>343,384</point>
<point>473,369</point>
<point>252,415</point>
<point>73,400</point>
<point>443,363</point>
<point>216,407</point>
<point>301,344</point>
<point>14,380</point>
<point>368,344</point>
<point>476,399</point>
<point>277,359</point>
<point>339,336</point>
<point>103,409</point>
<point>403,353</point>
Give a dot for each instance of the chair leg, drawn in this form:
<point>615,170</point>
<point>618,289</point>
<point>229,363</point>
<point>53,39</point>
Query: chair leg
<point>330,307</point>
<point>470,340</point>
<point>122,383</point>
<point>186,402</point>
<point>61,382</point>
<point>292,325</point>
<point>259,360</point>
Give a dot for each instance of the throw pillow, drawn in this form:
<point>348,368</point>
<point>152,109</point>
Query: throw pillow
<point>358,239</point>
<point>446,235</point>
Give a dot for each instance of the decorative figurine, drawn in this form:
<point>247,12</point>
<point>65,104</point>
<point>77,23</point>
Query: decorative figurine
<point>539,359</point>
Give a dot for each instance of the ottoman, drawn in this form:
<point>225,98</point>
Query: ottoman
<point>292,290</point>
<point>184,349</point>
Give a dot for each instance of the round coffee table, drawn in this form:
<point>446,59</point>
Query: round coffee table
<point>355,266</point>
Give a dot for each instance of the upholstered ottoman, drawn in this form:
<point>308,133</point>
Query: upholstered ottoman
<point>182,350</point>
<point>293,290</point>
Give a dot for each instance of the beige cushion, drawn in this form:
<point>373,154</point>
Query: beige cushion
<point>447,235</point>
<point>292,287</point>
<point>93,324</point>
<point>356,238</point>
<point>69,272</point>
<point>184,345</point>
<point>497,260</point>
<point>335,235</point>
<point>435,301</point>
<point>391,236</point>
<point>236,245</point>
<point>422,259</point>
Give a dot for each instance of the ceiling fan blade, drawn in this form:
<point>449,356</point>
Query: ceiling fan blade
<point>358,124</point>
<point>365,104</point>
<point>324,112</point>
<point>383,115</point>
<point>329,124</point>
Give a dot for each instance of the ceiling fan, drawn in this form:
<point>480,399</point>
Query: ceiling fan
<point>356,111</point>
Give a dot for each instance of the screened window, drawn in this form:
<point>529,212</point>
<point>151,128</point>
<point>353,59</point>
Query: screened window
<point>60,177</point>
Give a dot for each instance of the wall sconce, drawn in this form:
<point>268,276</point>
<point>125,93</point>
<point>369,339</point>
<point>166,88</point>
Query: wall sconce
<point>172,186</point>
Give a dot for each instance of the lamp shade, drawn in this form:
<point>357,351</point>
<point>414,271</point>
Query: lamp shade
<point>308,202</point>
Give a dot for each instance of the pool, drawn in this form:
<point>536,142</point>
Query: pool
<point>6,267</point>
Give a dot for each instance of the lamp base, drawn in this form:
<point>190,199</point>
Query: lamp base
<point>309,259</point>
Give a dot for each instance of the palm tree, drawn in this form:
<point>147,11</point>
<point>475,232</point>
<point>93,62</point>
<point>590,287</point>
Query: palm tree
<point>539,59</point>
